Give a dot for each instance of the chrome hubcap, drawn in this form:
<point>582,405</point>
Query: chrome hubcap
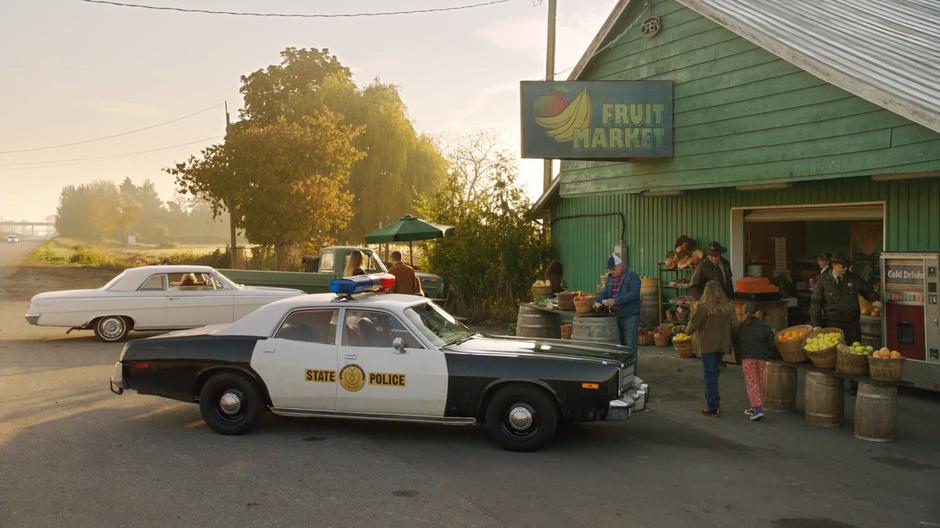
<point>230,403</point>
<point>112,327</point>
<point>520,418</point>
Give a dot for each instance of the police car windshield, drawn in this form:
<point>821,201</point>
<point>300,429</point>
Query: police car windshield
<point>438,326</point>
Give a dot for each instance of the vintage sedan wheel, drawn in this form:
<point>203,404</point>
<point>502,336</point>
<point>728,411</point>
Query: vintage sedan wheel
<point>230,403</point>
<point>521,418</point>
<point>112,328</point>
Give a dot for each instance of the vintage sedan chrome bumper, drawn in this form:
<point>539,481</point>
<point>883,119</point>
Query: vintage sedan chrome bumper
<point>32,318</point>
<point>117,379</point>
<point>633,400</point>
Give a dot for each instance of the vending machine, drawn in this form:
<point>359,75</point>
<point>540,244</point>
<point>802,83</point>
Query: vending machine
<point>911,322</point>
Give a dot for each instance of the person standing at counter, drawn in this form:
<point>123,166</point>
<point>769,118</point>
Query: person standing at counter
<point>621,296</point>
<point>823,262</point>
<point>713,268</point>
<point>835,299</point>
<point>555,274</point>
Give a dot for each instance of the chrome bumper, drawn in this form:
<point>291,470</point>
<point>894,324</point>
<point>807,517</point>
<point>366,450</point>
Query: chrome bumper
<point>117,379</point>
<point>631,401</point>
<point>32,319</point>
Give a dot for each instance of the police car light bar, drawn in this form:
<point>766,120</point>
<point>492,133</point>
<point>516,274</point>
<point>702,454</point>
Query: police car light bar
<point>361,283</point>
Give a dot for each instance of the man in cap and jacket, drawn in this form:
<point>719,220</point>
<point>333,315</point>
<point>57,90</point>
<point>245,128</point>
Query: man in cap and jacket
<point>835,298</point>
<point>713,268</point>
<point>621,296</point>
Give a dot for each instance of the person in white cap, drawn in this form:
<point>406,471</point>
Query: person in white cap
<point>622,296</point>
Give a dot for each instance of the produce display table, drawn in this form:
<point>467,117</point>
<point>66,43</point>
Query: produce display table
<point>537,320</point>
<point>875,405</point>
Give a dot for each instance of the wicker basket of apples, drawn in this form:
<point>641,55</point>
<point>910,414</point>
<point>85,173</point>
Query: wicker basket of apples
<point>853,359</point>
<point>886,365</point>
<point>820,346</point>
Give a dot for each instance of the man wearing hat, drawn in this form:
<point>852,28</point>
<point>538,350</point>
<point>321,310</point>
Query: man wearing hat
<point>713,268</point>
<point>835,298</point>
<point>621,296</point>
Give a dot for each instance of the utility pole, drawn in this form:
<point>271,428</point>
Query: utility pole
<point>231,207</point>
<point>549,76</point>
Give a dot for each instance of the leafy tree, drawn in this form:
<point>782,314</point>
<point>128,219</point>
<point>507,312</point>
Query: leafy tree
<point>290,90</point>
<point>88,211</point>
<point>212,178</point>
<point>313,158</point>
<point>129,209</point>
<point>296,177</point>
<point>385,182</point>
<point>496,251</point>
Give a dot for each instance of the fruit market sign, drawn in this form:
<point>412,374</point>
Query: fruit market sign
<point>606,120</point>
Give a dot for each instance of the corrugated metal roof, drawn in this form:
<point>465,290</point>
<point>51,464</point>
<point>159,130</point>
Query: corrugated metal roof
<point>884,51</point>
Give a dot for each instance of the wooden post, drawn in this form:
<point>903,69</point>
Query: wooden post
<point>549,76</point>
<point>231,209</point>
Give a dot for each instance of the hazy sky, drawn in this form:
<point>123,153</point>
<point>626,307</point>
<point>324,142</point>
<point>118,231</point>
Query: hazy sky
<point>73,71</point>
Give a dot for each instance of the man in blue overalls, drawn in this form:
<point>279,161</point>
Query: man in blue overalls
<point>622,296</point>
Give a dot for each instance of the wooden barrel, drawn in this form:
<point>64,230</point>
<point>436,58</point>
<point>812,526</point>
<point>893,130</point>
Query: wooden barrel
<point>533,322</point>
<point>779,392</point>
<point>649,312</point>
<point>876,413</point>
<point>595,329</point>
<point>823,399</point>
<point>871,325</point>
<point>649,302</point>
<point>649,286</point>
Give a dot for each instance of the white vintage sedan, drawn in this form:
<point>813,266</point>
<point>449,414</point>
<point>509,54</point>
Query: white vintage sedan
<point>152,298</point>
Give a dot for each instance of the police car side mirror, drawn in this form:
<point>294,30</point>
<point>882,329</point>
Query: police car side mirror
<point>398,345</point>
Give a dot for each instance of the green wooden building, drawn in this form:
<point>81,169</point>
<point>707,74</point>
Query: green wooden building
<point>815,123</point>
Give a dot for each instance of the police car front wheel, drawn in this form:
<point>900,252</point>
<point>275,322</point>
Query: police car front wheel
<point>230,403</point>
<point>521,418</point>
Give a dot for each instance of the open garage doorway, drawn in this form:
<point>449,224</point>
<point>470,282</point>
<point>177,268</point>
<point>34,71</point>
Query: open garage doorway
<point>782,243</point>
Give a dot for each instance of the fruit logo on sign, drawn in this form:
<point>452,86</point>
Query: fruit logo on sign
<point>559,117</point>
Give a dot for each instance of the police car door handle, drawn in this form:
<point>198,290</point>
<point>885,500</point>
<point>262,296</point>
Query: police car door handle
<point>351,356</point>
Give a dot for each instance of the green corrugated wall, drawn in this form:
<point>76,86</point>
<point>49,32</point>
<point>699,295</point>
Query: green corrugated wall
<point>742,114</point>
<point>653,223</point>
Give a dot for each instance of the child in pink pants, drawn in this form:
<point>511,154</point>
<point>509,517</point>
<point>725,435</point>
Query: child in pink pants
<point>753,339</point>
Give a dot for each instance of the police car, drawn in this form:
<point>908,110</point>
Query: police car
<point>363,353</point>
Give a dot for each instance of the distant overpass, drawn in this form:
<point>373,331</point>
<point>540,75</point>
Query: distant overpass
<point>27,229</point>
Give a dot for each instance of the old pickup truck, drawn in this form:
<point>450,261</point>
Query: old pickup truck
<point>328,265</point>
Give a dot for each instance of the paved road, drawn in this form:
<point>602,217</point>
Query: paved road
<point>73,454</point>
<point>11,255</point>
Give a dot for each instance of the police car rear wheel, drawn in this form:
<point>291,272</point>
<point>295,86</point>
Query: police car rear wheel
<point>230,403</point>
<point>112,328</point>
<point>521,418</point>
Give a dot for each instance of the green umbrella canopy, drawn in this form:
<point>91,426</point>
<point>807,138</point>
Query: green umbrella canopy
<point>408,229</point>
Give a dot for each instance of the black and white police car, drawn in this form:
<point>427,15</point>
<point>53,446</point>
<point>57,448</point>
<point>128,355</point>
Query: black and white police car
<point>381,356</point>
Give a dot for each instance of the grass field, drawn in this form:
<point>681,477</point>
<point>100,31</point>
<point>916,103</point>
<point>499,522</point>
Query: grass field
<point>65,251</point>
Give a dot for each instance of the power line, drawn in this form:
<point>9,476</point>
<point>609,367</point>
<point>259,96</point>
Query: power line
<point>59,163</point>
<point>119,134</point>
<point>297,15</point>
